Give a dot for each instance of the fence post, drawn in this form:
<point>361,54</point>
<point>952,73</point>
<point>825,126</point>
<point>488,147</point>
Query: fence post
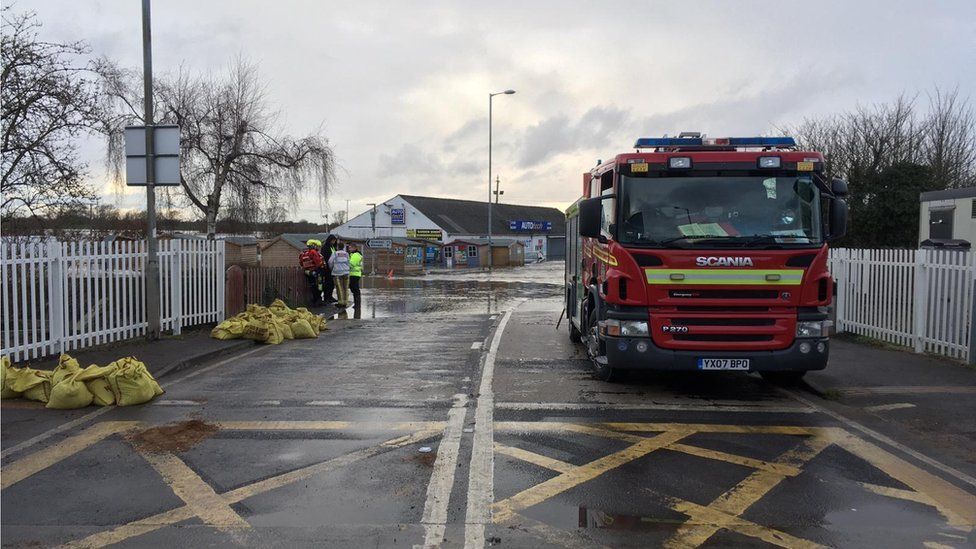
<point>920,301</point>
<point>176,284</point>
<point>840,283</point>
<point>220,273</point>
<point>55,285</point>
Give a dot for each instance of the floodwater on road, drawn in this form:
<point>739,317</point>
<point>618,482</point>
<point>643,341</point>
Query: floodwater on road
<point>460,291</point>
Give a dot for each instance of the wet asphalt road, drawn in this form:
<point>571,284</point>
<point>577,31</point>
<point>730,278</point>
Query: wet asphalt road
<point>453,413</point>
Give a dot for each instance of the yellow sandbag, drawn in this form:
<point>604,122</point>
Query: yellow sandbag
<point>132,383</point>
<point>302,329</point>
<point>5,390</point>
<point>33,384</point>
<point>70,393</point>
<point>96,380</point>
<point>66,367</point>
<point>285,329</point>
<point>274,334</point>
<point>257,330</point>
<point>101,391</point>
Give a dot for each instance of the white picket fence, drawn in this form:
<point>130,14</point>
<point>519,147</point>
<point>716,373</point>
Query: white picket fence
<point>59,296</point>
<point>921,299</point>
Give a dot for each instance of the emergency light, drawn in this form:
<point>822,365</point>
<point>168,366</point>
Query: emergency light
<point>656,142</point>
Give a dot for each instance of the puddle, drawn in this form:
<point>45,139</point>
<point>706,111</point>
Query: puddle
<point>175,437</point>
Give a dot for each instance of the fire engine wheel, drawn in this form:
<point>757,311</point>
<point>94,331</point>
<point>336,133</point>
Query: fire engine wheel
<point>597,353</point>
<point>783,378</point>
<point>574,335</point>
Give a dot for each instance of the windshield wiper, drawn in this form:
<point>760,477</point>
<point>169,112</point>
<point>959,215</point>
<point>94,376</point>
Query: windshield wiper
<point>691,237</point>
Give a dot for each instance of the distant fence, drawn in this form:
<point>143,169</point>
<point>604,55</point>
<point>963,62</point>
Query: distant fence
<point>921,299</point>
<point>262,285</point>
<point>59,296</point>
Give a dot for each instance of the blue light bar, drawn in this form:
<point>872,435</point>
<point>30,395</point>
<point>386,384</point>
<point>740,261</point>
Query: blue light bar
<point>656,142</point>
<point>762,142</point>
<point>653,142</point>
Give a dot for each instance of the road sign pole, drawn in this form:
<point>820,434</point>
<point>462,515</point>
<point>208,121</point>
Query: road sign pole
<point>152,259</point>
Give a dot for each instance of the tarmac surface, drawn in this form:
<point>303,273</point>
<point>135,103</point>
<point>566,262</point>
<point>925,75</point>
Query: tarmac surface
<point>454,414</point>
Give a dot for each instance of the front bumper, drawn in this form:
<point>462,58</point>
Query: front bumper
<point>622,353</point>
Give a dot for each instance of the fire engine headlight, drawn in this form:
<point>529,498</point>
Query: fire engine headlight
<point>769,162</point>
<point>633,328</point>
<point>624,328</point>
<point>813,328</point>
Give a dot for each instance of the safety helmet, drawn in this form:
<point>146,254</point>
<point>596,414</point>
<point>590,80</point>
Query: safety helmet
<point>313,242</point>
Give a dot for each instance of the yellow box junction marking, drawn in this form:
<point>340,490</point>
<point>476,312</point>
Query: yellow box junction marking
<point>197,494</point>
<point>42,459</point>
<point>201,500</point>
<point>955,504</point>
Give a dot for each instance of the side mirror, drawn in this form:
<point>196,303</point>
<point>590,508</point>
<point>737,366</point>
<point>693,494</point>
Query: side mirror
<point>590,216</point>
<point>838,218</point>
<point>838,187</point>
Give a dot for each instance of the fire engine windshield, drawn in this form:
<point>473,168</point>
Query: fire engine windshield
<point>719,211</point>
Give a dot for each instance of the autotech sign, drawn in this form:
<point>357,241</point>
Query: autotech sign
<point>519,225</point>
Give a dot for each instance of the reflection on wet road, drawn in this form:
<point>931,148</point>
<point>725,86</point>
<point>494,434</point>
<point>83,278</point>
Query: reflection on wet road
<point>462,292</point>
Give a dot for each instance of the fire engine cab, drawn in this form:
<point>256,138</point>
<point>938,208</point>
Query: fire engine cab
<point>704,254</point>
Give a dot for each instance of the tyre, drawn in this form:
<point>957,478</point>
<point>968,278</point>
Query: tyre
<point>597,352</point>
<point>574,334</point>
<point>783,378</point>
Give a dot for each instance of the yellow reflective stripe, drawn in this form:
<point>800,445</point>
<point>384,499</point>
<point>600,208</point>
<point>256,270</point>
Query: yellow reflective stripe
<point>603,256</point>
<point>787,277</point>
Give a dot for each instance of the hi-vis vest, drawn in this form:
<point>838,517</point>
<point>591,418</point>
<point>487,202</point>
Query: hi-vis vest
<point>356,264</point>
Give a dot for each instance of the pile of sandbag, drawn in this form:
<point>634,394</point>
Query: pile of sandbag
<point>124,382</point>
<point>271,325</point>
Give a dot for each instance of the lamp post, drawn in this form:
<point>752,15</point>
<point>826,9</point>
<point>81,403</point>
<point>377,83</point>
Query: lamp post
<point>490,97</point>
<point>498,191</point>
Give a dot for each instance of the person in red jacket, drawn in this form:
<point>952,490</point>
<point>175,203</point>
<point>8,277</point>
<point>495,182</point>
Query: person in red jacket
<point>313,264</point>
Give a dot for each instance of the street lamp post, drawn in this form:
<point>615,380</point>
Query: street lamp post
<point>490,97</point>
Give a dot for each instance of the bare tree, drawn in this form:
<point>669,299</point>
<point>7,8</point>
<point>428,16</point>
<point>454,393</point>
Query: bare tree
<point>234,152</point>
<point>890,153</point>
<point>49,99</point>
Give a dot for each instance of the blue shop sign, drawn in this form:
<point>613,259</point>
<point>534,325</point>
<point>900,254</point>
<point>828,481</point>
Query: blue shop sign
<point>520,225</point>
<point>398,216</point>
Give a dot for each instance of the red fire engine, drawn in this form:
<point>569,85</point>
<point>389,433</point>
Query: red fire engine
<point>704,254</point>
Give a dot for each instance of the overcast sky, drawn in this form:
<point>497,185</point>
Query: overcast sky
<point>401,88</point>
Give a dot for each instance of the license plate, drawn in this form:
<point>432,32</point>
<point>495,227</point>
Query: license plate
<point>723,363</point>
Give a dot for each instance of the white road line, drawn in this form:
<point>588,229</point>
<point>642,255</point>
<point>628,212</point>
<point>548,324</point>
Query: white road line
<point>88,417</point>
<point>646,406</point>
<point>884,439</point>
<point>167,402</point>
<point>481,477</point>
<point>442,477</point>
<point>324,403</point>
<point>886,407</point>
<point>476,345</point>
<point>268,403</point>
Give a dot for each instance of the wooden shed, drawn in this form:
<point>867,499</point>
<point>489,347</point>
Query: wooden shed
<point>283,250</point>
<point>241,250</point>
<point>473,252</point>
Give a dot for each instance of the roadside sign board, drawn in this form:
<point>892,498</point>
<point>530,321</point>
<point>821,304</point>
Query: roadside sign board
<point>520,225</point>
<point>425,234</point>
<point>166,142</point>
<point>379,243</point>
<point>398,216</point>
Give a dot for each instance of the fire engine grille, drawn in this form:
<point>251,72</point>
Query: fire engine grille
<point>723,321</point>
<point>723,294</point>
<point>723,337</point>
<point>706,309</point>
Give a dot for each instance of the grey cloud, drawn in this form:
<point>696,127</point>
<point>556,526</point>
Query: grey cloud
<point>559,134</point>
